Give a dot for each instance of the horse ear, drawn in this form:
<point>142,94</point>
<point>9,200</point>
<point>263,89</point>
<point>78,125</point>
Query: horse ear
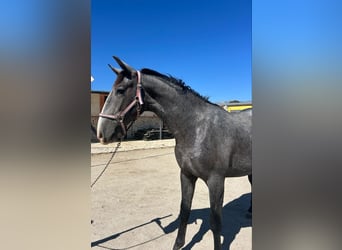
<point>116,71</point>
<point>124,65</point>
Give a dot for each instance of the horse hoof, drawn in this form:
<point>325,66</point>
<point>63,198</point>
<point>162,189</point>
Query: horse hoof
<point>178,246</point>
<point>91,221</point>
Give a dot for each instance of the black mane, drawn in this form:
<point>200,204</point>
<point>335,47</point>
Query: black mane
<point>175,83</point>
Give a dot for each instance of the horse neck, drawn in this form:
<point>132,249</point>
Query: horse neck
<point>175,109</point>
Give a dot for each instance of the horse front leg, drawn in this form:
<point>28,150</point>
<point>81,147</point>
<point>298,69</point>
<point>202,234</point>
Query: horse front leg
<point>216,191</point>
<point>188,186</point>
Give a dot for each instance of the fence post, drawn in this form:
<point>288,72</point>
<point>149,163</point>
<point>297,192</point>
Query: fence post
<point>160,129</point>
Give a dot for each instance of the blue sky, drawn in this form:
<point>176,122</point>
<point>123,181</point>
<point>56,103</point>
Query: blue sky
<point>207,44</point>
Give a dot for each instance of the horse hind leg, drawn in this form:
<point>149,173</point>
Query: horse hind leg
<point>250,207</point>
<point>216,191</point>
<point>188,186</point>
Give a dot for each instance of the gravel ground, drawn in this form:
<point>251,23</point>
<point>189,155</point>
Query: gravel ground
<point>135,203</point>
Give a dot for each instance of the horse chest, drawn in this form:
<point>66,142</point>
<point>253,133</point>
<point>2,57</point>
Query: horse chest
<point>193,162</point>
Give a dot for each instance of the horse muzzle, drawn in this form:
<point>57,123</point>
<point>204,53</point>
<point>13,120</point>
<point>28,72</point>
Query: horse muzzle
<point>107,133</point>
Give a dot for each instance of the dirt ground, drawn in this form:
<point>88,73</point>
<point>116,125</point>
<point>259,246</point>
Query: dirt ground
<point>136,202</point>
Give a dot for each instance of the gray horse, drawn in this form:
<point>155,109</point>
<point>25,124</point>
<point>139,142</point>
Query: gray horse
<point>211,143</point>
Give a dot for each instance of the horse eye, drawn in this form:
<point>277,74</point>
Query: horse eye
<point>120,91</point>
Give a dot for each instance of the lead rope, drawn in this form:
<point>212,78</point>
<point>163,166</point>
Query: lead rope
<point>114,152</point>
<point>140,102</point>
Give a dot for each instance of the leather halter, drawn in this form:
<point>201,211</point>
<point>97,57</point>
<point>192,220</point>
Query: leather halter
<point>137,102</point>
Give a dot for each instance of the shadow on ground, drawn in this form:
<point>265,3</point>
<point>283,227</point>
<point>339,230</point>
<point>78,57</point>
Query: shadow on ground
<point>235,216</point>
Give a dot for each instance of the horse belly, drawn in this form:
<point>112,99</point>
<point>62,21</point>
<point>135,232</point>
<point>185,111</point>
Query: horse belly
<point>239,165</point>
<point>203,163</point>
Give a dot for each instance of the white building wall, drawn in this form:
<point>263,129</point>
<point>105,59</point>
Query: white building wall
<point>95,104</point>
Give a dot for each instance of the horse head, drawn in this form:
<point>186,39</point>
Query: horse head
<point>123,104</point>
